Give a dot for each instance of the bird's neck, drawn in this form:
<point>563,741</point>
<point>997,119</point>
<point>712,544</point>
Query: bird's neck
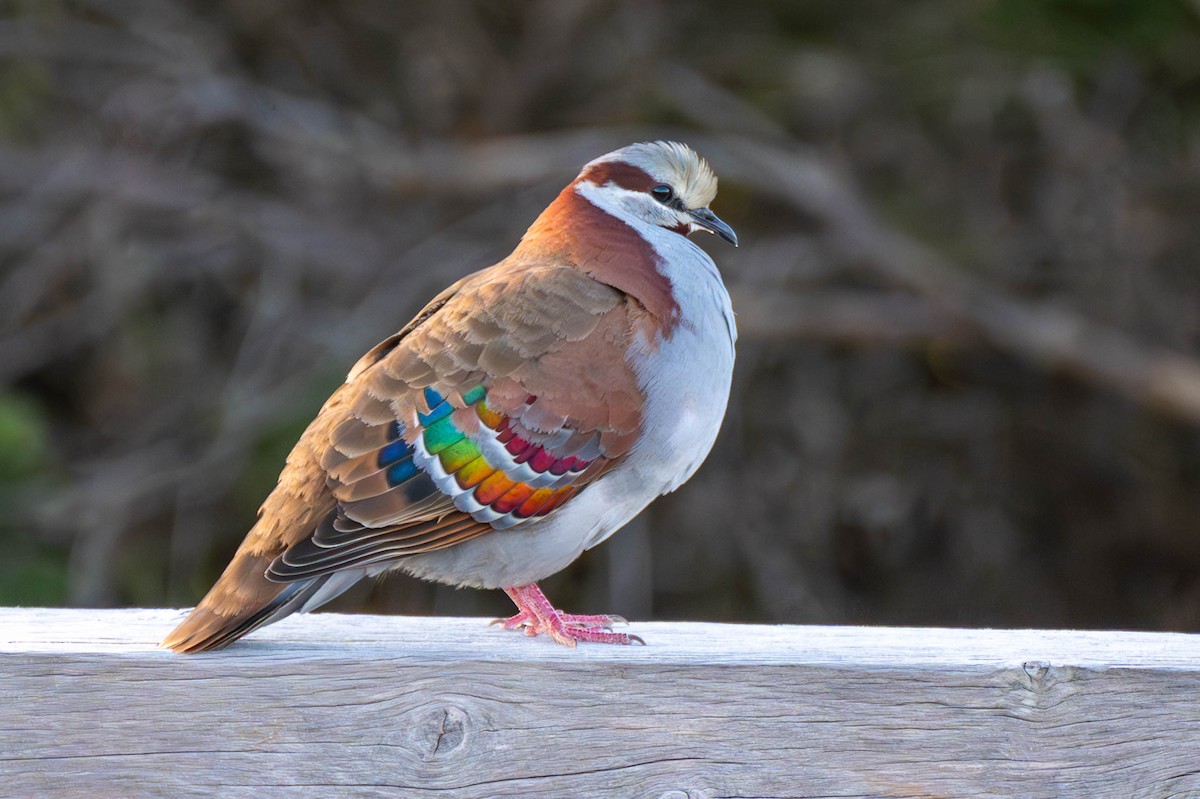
<point>583,235</point>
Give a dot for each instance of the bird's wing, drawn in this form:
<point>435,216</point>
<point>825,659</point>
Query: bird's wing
<point>496,405</point>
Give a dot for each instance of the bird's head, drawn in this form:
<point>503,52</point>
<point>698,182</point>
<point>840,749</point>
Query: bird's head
<point>662,183</point>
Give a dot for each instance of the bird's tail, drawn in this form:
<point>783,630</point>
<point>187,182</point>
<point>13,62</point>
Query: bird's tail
<point>244,600</point>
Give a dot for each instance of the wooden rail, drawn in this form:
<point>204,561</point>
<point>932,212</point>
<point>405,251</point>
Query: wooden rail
<point>368,706</point>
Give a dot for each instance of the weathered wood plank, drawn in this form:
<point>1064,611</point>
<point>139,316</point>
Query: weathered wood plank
<point>361,706</point>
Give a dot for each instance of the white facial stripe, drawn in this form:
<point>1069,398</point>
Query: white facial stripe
<point>631,205</point>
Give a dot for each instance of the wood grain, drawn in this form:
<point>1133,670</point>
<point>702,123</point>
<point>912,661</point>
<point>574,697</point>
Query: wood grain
<point>363,706</point>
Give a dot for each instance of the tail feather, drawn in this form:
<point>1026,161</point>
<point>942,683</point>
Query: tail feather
<point>205,630</point>
<point>244,600</point>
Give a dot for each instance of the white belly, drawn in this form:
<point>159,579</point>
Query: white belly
<point>685,380</point>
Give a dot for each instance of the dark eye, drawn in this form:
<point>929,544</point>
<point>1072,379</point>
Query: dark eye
<point>662,193</point>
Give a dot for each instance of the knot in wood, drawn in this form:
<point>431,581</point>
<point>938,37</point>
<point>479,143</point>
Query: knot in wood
<point>1037,670</point>
<point>445,728</point>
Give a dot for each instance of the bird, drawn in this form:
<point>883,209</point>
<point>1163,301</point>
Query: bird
<point>523,416</point>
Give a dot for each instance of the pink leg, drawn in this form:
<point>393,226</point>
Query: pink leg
<point>536,615</point>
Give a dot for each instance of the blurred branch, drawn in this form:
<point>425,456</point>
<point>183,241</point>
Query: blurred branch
<point>1051,336</point>
<point>858,318</point>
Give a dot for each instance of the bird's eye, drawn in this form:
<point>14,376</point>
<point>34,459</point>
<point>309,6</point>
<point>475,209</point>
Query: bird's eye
<point>662,193</point>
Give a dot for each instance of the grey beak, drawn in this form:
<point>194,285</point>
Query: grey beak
<point>713,224</point>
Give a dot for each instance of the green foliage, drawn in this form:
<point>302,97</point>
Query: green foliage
<point>24,445</point>
<point>31,573</point>
<point>26,88</point>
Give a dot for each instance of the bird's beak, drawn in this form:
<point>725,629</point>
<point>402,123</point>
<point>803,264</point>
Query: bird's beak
<point>702,217</point>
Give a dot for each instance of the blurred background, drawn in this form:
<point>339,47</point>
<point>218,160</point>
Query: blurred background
<point>968,380</point>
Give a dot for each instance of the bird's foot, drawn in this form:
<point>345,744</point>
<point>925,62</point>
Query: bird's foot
<point>536,616</point>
